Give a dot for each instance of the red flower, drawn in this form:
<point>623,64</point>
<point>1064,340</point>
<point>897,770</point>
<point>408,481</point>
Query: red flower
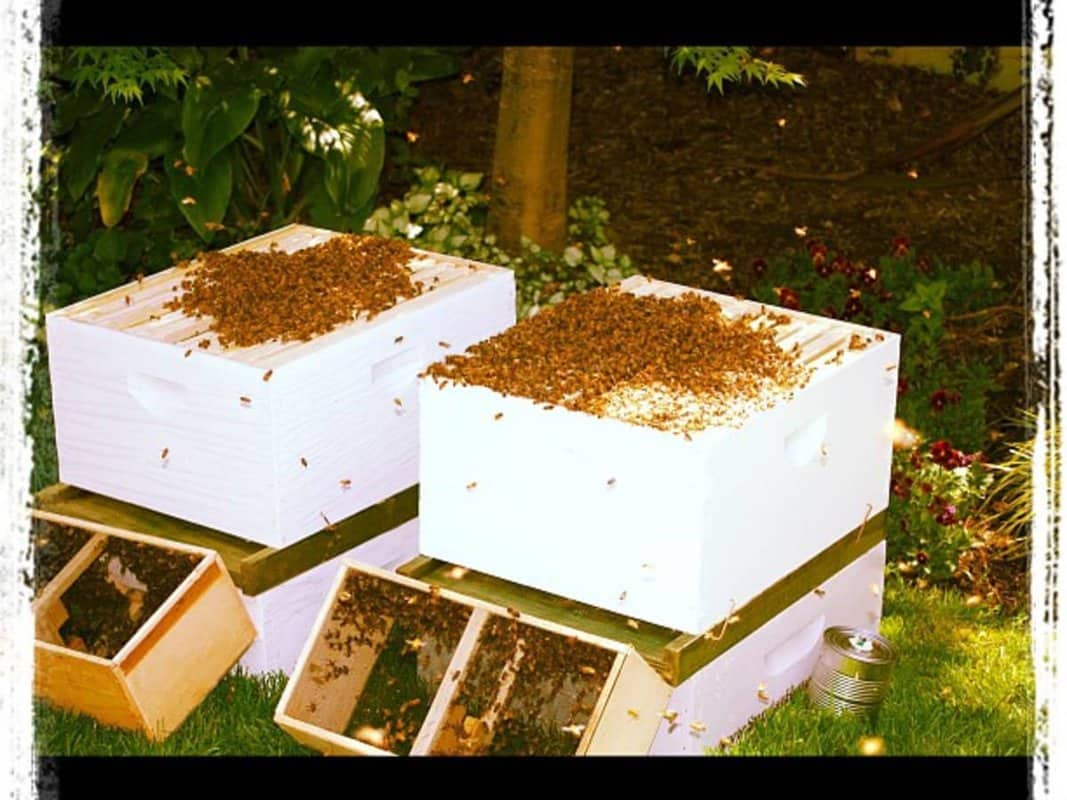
<point>869,276</point>
<point>941,451</point>
<point>923,265</point>
<point>853,306</point>
<point>916,459</point>
<point>901,486</point>
<point>759,266</point>
<point>823,269</point>
<point>921,556</point>
<point>901,245</point>
<point>926,487</point>
<point>788,298</point>
<point>948,516</point>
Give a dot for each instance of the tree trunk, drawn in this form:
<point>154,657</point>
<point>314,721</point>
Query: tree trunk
<point>529,183</point>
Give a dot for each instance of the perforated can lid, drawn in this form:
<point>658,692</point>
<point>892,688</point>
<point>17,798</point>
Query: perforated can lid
<point>860,645</point>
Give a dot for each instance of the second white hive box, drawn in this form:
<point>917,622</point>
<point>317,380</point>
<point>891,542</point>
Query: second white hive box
<point>663,528</point>
<point>145,415</point>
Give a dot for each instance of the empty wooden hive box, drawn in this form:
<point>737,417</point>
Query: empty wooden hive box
<point>694,447</point>
<point>230,418</point>
<point>131,630</point>
<point>398,666</point>
<point>282,589</point>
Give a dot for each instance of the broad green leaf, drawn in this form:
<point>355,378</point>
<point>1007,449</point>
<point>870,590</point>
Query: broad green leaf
<point>417,203</point>
<point>151,130</point>
<point>212,117</point>
<point>469,181</point>
<point>114,185</point>
<point>72,107</point>
<point>203,196</point>
<point>82,158</point>
<point>111,246</point>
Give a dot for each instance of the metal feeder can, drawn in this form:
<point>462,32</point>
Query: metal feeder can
<point>852,671</point>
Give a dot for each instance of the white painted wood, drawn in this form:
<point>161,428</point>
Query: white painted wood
<point>726,694</point>
<point>284,614</point>
<point>124,392</point>
<point>644,522</point>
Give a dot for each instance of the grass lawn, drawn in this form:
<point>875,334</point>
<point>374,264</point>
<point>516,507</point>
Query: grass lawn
<point>964,685</point>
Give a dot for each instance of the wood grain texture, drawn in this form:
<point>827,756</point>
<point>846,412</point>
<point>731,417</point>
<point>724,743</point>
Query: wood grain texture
<point>200,637</point>
<point>628,724</point>
<point>84,684</point>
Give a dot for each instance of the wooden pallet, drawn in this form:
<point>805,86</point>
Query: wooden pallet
<point>167,667</point>
<point>675,654</point>
<point>254,567</point>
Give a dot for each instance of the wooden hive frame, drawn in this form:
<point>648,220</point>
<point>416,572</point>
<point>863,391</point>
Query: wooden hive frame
<point>169,665</point>
<point>624,719</point>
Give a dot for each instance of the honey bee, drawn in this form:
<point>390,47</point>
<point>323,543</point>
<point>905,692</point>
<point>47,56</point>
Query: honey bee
<point>669,714</point>
<point>611,481</point>
<point>820,592</point>
<point>498,415</point>
<point>697,727</point>
<point>890,367</point>
<point>574,730</point>
<point>246,401</point>
<point>879,337</point>
<point>204,344</point>
<point>472,484</point>
<point>267,375</point>
<point>445,345</point>
<point>688,438</point>
<point>398,340</point>
<point>127,298</point>
<point>633,623</point>
<point>166,451</point>
<point>188,353</point>
<point>633,712</point>
<point>303,462</point>
<point>456,674</point>
<point>587,670</point>
<point>345,483</point>
<point>398,402</point>
<point>344,597</point>
<point>140,278</point>
<point>761,693</point>
<point>513,612</point>
<point>312,707</point>
<point>622,596</point>
<point>329,525</point>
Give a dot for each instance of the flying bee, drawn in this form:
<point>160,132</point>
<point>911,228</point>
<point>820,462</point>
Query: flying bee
<point>669,714</point>
<point>622,596</point>
<point>633,623</point>
<point>398,402</point>
<point>188,353</point>
<point>246,401</point>
<point>267,375</point>
<point>820,592</point>
<point>303,462</point>
<point>472,484</point>
<point>445,345</point>
<point>633,712</point>
<point>611,481</point>
<point>127,300</point>
<point>498,415</point>
<point>398,340</point>
<point>346,483</point>
<point>697,727</point>
<point>166,451</point>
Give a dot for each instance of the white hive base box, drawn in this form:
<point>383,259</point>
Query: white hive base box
<point>761,669</point>
<point>285,614</point>
<point>333,431</point>
<point>648,523</point>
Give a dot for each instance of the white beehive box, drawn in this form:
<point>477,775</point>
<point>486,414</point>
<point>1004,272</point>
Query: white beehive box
<point>661,527</point>
<point>145,415</point>
<point>764,667</point>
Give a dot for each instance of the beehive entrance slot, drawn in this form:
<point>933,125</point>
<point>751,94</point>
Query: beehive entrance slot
<point>804,444</point>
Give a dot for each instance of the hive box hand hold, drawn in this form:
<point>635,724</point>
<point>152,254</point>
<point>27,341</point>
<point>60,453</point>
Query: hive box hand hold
<point>131,630</point>
<point>682,526</point>
<point>396,666</point>
<point>271,442</point>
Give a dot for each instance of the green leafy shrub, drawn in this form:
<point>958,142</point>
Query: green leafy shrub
<point>909,294</point>
<point>718,65</point>
<point>445,212</point>
<point>159,152</point>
